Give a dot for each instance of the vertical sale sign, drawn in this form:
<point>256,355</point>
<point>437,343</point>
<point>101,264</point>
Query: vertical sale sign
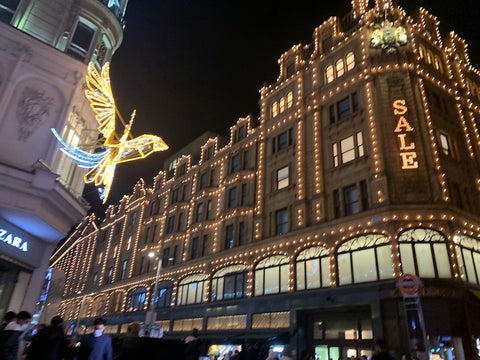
<point>404,133</point>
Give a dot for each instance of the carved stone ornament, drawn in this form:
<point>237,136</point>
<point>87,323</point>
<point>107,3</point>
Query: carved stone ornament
<point>33,109</point>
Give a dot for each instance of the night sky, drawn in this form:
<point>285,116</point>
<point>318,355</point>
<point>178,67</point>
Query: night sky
<point>189,66</point>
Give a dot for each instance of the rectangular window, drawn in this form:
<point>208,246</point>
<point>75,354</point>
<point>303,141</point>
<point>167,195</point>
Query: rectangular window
<point>165,257</point>
<point>182,170</point>
<point>235,164</point>
<point>229,238</point>
<point>364,193</point>
<point>199,212</point>
<point>282,178</point>
<point>170,224</point>
<point>336,204</point>
<point>212,177</point>
<point>241,133</point>
<point>350,198</point>
<point>281,221</point>
<point>343,107</point>
<point>354,102</point>
<point>202,181</point>
<point>209,210</point>
<point>232,198</point>
<point>445,144</point>
<point>174,196</point>
<point>81,40</point>
<point>184,192</point>
<point>241,233</point>
<point>336,159</point>
<point>332,113</point>
<point>124,269</point>
<point>7,10</point>
<point>243,201</point>
<point>245,160</point>
<point>205,245</point>
<point>194,251</point>
<point>180,222</point>
<point>360,151</point>
<point>282,141</point>
<point>209,152</point>
<point>347,148</point>
<point>175,254</point>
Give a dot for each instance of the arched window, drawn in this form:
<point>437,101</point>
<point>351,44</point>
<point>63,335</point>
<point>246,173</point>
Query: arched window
<point>116,302</point>
<point>289,99</point>
<point>281,105</point>
<point>84,308</point>
<point>329,75</point>
<point>429,57</point>
<point>274,109</point>
<point>313,268</point>
<point>438,64</point>
<point>339,69</point>
<point>191,290</point>
<point>164,295</point>
<point>364,258</point>
<point>230,283</point>
<point>272,275</point>
<point>70,312</point>
<point>136,299</point>
<point>350,60</point>
<point>99,306</point>
<point>468,257</point>
<point>421,52</point>
<point>423,252</point>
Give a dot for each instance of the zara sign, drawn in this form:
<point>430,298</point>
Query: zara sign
<point>12,240</point>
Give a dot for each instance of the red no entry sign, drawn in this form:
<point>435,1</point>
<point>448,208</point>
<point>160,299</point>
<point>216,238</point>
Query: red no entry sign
<point>408,284</point>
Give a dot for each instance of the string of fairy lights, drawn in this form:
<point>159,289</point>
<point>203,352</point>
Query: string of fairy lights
<point>451,72</point>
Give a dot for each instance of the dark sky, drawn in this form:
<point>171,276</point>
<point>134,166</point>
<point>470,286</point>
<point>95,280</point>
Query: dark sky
<point>189,66</point>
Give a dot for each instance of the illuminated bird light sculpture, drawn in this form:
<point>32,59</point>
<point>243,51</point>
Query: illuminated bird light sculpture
<point>115,149</point>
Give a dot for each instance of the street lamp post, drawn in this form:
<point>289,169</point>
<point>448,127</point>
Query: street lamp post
<point>150,316</point>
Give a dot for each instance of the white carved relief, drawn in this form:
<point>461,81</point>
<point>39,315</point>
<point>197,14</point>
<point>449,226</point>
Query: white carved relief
<point>32,110</point>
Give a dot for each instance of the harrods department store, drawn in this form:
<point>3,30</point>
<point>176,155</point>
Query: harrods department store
<point>362,166</point>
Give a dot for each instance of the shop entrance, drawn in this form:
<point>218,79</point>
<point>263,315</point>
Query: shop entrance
<point>335,352</point>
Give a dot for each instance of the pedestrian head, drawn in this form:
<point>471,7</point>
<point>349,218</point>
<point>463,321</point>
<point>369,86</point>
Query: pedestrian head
<point>99,326</point>
<point>195,332</point>
<point>10,316</point>
<point>134,328</point>
<point>56,321</point>
<point>23,317</point>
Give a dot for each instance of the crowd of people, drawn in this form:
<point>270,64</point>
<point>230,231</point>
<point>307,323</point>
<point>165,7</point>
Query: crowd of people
<point>19,340</point>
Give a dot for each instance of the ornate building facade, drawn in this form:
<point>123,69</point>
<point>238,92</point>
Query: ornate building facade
<point>44,50</point>
<point>299,226</point>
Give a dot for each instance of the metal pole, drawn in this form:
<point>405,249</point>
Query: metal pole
<point>82,304</point>
<point>151,311</point>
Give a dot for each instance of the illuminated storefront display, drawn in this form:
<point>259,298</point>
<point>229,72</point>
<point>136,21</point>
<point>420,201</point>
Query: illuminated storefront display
<point>13,240</point>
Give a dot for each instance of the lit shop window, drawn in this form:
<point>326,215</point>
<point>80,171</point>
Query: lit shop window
<point>227,322</point>
<point>282,178</point>
<point>163,299</point>
<point>272,275</point>
<point>230,283</point>
<point>115,303</point>
<point>342,66</point>
<point>281,105</point>
<point>423,252</point>
<point>274,320</point>
<point>313,268</point>
<point>348,149</point>
<point>191,290</point>
<point>468,258</point>
<point>136,299</point>
<point>363,259</point>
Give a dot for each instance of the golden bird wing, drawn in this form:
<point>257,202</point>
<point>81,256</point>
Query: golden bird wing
<point>99,93</point>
